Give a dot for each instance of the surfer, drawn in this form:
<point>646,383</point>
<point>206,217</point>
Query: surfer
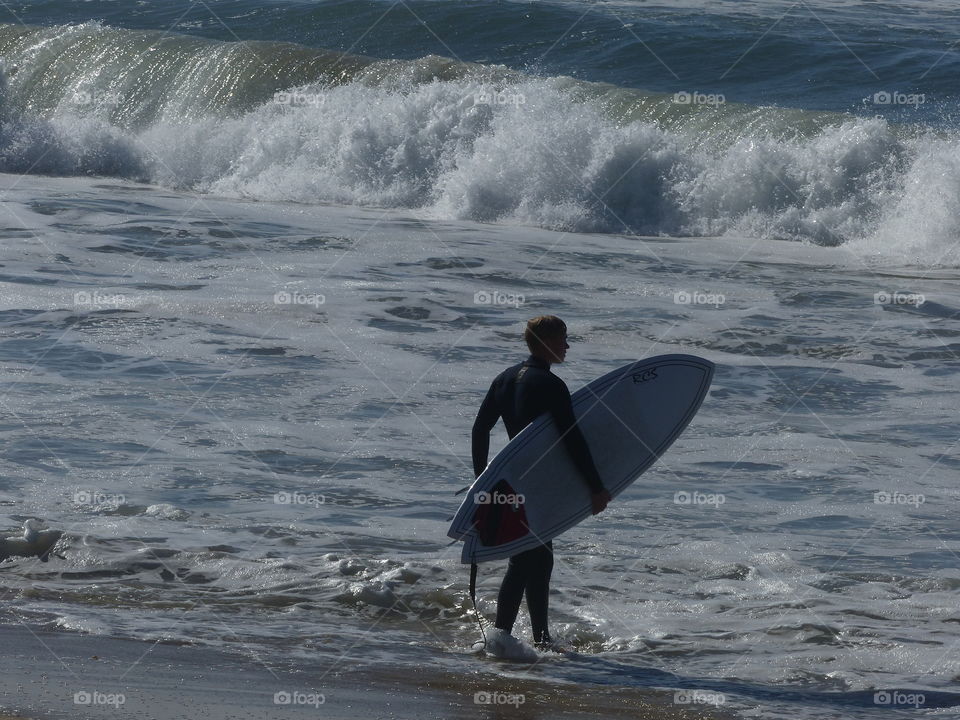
<point>519,395</point>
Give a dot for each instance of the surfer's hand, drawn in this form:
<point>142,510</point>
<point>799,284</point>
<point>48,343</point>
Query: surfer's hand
<point>599,501</point>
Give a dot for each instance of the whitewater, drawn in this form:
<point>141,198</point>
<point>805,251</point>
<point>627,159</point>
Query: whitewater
<point>467,142</point>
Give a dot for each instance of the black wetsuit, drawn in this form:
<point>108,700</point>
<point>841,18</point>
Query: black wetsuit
<point>520,394</point>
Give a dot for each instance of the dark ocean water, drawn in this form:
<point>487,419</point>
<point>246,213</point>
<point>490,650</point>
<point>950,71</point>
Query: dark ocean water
<point>815,55</point>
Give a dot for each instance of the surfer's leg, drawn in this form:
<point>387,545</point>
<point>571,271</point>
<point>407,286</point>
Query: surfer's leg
<point>511,592</point>
<point>538,590</point>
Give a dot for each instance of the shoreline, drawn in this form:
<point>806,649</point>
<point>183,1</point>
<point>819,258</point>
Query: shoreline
<point>52,674</point>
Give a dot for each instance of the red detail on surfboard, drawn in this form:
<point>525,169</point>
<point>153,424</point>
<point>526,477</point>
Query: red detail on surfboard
<point>500,517</point>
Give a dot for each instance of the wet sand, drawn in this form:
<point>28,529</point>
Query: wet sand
<point>58,674</point>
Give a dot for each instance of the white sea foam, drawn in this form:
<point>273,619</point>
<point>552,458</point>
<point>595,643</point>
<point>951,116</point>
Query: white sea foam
<point>504,646</point>
<point>496,146</point>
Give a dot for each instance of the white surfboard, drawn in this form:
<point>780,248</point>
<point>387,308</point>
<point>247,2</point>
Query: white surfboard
<point>531,491</point>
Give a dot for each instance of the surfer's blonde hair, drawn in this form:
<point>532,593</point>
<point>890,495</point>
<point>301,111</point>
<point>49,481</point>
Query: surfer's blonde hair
<point>541,328</point>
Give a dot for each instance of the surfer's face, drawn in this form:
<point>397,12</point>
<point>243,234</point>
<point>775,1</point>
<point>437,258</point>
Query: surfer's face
<point>556,348</point>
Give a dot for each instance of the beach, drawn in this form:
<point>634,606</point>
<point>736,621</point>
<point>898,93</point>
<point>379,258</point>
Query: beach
<point>68,675</point>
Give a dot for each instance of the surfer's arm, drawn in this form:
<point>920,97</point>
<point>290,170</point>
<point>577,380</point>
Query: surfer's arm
<point>486,418</point>
<point>574,441</point>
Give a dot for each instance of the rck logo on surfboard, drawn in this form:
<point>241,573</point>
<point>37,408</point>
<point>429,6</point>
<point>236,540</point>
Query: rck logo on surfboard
<point>645,376</point>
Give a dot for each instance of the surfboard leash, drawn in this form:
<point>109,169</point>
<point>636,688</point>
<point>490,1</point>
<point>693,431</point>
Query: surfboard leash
<point>473,597</point>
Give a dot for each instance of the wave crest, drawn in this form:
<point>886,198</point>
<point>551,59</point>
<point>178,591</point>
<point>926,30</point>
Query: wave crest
<point>463,141</point>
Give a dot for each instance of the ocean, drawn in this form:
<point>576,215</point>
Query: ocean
<point>261,261</point>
